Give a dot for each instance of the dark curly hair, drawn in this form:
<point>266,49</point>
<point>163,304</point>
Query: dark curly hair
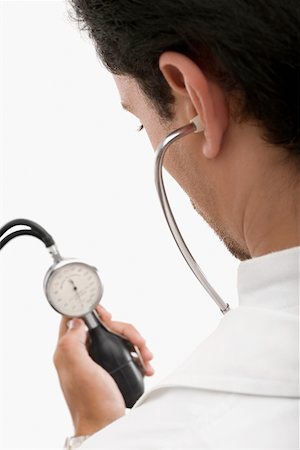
<point>250,47</point>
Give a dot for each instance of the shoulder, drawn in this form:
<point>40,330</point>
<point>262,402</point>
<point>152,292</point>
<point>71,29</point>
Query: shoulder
<point>178,418</point>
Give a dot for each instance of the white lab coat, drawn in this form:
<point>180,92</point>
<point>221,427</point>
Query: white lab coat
<point>240,388</point>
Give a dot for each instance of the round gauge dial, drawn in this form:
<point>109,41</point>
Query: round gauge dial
<point>73,288</point>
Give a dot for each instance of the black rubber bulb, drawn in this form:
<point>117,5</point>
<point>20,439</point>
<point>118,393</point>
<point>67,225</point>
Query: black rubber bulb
<point>114,354</point>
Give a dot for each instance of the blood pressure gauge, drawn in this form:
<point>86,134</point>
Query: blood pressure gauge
<point>73,288</point>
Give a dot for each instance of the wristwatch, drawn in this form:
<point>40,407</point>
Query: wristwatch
<point>74,442</point>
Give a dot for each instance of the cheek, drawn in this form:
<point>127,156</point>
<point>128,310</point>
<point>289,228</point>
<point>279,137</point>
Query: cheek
<point>182,158</point>
<point>155,130</point>
<point>172,160</point>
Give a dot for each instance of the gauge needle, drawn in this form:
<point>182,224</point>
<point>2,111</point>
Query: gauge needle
<point>75,289</point>
<point>72,282</point>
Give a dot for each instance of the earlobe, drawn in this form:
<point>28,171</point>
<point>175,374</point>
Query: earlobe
<point>187,79</point>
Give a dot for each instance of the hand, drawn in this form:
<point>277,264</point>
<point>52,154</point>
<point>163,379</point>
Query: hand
<point>92,395</point>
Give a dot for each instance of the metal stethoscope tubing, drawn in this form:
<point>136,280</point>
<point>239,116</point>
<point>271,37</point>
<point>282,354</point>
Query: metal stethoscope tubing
<point>159,159</point>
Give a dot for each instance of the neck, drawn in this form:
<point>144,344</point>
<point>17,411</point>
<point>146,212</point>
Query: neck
<point>272,216</point>
<point>260,201</point>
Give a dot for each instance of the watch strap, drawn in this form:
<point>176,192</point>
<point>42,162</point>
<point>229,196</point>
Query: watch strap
<point>74,442</point>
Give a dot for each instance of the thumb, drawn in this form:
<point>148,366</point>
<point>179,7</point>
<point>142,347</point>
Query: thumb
<point>77,330</point>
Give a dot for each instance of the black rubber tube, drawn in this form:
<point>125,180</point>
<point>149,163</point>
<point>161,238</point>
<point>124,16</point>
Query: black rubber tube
<point>11,236</point>
<point>37,231</point>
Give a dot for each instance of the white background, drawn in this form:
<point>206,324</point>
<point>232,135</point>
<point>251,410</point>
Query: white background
<point>71,160</point>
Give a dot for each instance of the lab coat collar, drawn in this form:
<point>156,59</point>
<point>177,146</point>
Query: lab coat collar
<point>255,348</point>
<point>271,281</point>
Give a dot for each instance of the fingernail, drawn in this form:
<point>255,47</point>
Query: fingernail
<point>149,353</point>
<point>74,323</point>
<point>70,324</point>
<point>77,323</point>
<point>150,368</point>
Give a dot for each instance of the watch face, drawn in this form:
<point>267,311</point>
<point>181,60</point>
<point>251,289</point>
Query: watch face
<point>73,288</point>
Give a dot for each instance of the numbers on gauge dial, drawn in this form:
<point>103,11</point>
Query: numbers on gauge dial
<point>74,289</point>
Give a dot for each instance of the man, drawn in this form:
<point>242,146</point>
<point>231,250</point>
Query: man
<point>235,64</point>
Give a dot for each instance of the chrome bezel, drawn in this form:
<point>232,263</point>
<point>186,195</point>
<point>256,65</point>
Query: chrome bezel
<point>59,265</point>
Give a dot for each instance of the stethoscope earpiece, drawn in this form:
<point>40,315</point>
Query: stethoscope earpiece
<point>198,124</point>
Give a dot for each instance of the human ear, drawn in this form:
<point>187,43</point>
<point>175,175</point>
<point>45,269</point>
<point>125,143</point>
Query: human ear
<point>186,79</point>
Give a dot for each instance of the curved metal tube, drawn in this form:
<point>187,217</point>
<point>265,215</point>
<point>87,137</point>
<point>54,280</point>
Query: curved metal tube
<point>159,159</point>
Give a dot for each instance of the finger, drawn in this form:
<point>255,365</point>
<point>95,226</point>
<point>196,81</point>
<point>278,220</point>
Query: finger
<point>147,355</point>
<point>149,370</point>
<point>63,327</point>
<point>65,324</point>
<point>103,313</point>
<point>77,331</point>
<point>131,333</point>
<point>126,329</point>
<point>71,347</point>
